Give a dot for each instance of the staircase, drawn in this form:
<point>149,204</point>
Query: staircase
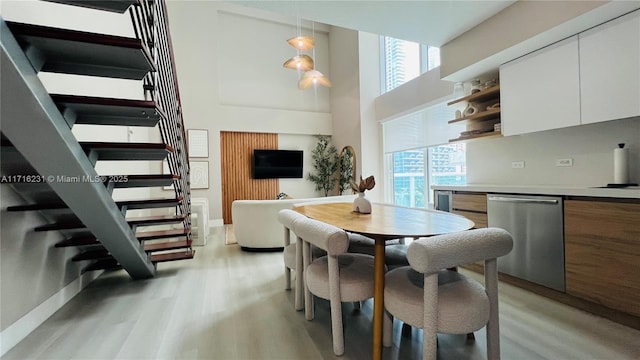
<point>55,173</point>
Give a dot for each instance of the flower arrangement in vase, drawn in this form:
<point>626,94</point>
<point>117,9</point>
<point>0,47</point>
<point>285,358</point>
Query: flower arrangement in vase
<point>361,204</point>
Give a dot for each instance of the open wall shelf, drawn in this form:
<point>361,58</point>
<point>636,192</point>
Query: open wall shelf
<point>481,124</point>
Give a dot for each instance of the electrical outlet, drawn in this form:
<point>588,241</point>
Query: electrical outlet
<point>564,162</point>
<point>517,164</point>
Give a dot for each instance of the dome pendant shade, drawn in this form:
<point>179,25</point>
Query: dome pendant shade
<point>303,43</point>
<point>313,77</point>
<point>300,62</point>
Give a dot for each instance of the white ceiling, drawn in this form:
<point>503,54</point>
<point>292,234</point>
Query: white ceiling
<point>428,22</point>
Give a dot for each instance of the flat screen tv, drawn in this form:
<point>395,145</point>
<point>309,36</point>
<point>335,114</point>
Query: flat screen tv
<point>275,164</point>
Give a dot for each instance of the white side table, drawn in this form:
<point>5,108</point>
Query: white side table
<point>200,220</point>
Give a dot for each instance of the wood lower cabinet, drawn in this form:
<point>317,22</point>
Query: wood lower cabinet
<point>478,218</point>
<point>473,206</point>
<point>602,252</point>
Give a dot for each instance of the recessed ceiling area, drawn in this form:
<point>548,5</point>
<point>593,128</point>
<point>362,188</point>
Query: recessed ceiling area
<point>427,22</point>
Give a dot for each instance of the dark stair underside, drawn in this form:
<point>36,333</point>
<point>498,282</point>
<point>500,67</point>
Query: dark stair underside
<point>102,253</point>
<point>169,245</point>
<point>141,236</point>
<point>107,111</point>
<point>119,6</point>
<point>172,256</point>
<point>162,234</point>
<point>156,220</point>
<point>78,241</point>
<point>112,264</point>
<point>97,254</point>
<point>142,180</point>
<point>136,221</point>
<point>82,53</point>
<point>150,203</point>
<point>127,151</point>
<point>104,264</point>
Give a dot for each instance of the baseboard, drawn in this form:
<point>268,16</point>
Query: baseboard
<point>20,329</point>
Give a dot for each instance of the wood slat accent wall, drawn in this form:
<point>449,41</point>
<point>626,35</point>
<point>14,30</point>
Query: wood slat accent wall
<point>236,151</point>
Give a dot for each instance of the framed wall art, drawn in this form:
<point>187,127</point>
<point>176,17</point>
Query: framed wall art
<point>199,174</point>
<point>198,141</point>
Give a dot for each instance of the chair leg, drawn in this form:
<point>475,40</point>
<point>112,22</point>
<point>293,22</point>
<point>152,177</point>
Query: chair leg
<point>387,329</point>
<point>299,294</point>
<point>493,325</point>
<point>336,305</point>
<point>299,291</point>
<point>336,327</point>
<point>287,278</point>
<point>308,297</point>
<point>430,317</point>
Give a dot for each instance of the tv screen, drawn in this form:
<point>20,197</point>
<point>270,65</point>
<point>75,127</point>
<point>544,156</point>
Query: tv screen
<point>274,164</point>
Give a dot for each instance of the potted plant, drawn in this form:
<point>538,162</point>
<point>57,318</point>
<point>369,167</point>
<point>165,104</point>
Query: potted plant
<point>325,164</point>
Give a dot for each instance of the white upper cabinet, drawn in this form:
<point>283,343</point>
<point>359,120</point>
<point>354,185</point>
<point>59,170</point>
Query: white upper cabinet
<point>610,70</point>
<point>541,90</point>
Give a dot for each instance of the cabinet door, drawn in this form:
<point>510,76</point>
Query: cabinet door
<point>540,91</point>
<point>610,70</point>
<point>602,253</point>
<point>473,202</point>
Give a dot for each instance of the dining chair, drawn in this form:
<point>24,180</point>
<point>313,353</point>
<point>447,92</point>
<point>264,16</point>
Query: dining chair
<point>428,296</point>
<point>338,277</point>
<point>292,255</point>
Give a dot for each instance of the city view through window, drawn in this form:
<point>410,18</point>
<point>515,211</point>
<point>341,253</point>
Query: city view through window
<point>415,171</point>
<point>406,60</point>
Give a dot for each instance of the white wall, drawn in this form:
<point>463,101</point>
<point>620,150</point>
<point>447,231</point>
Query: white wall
<point>345,93</point>
<point>590,147</point>
<point>370,128</point>
<point>231,78</point>
<point>413,95</point>
<point>522,28</point>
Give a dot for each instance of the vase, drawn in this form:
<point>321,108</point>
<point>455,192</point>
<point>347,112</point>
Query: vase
<point>361,204</point>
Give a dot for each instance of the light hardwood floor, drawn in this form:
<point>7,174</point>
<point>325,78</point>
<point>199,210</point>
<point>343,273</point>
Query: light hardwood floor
<point>229,304</point>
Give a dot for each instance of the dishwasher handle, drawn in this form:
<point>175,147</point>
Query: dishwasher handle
<point>522,200</point>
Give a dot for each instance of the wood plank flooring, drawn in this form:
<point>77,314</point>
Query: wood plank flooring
<point>229,304</point>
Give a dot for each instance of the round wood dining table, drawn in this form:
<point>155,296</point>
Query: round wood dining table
<point>385,222</point>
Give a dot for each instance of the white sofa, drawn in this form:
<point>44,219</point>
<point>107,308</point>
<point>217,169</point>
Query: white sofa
<point>255,222</point>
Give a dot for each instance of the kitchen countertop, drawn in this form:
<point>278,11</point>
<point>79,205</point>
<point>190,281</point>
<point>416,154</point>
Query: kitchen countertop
<point>632,192</point>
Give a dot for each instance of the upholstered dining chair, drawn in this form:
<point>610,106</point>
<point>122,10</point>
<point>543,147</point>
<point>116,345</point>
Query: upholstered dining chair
<point>338,277</point>
<point>395,251</point>
<point>292,254</point>
<point>428,296</point>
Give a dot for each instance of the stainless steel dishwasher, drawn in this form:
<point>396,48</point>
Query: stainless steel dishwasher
<point>535,222</point>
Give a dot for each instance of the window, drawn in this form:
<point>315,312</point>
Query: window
<point>418,155</point>
<point>415,171</point>
<point>409,178</point>
<point>403,61</point>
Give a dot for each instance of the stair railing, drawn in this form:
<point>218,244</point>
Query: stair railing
<point>151,25</point>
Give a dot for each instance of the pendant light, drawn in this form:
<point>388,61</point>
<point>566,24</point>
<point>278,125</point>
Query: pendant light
<point>311,78</point>
<point>302,43</point>
<point>299,62</point>
<point>304,63</point>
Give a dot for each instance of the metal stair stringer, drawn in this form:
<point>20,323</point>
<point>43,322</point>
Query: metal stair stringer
<point>33,124</point>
